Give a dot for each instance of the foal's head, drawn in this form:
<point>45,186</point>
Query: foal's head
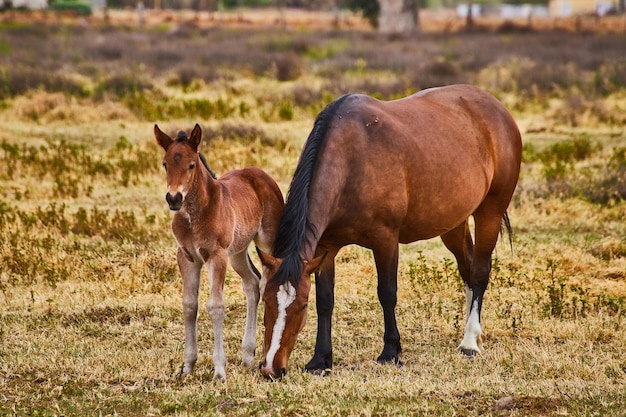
<point>180,162</point>
<point>286,302</point>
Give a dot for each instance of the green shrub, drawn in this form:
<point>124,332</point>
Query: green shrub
<point>73,6</point>
<point>238,132</point>
<point>558,160</point>
<point>285,111</point>
<point>121,86</point>
<point>17,80</point>
<point>289,66</point>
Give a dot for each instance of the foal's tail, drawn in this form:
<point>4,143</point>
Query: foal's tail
<point>506,224</point>
<point>254,269</point>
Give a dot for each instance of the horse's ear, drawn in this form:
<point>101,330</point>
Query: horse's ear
<point>267,260</point>
<point>162,139</point>
<point>196,136</point>
<point>314,264</point>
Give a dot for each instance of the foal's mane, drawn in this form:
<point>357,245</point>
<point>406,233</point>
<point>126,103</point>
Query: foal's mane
<point>206,165</point>
<point>182,137</point>
<point>291,237</point>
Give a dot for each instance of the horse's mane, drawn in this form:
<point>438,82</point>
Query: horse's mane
<point>291,237</point>
<point>181,137</point>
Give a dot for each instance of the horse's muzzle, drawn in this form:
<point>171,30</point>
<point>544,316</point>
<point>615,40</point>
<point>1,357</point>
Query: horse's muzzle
<point>174,201</point>
<point>269,373</point>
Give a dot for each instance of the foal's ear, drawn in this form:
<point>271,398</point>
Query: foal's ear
<point>196,136</point>
<point>314,264</point>
<point>162,139</point>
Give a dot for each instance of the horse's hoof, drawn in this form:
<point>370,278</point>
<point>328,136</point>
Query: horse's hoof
<point>469,353</point>
<point>394,360</point>
<point>319,372</point>
<point>184,372</point>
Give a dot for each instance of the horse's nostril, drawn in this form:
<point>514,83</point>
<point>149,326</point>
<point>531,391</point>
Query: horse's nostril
<point>281,372</point>
<point>266,371</point>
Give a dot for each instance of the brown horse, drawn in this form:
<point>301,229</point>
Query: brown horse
<point>215,220</point>
<point>376,174</point>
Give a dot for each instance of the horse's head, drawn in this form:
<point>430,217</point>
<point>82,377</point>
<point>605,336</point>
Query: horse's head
<point>180,162</point>
<point>286,299</point>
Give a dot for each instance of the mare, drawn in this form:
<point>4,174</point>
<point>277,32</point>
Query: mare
<point>377,174</point>
<point>216,219</point>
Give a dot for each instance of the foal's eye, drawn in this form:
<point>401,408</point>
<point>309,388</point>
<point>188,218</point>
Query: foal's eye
<point>192,166</point>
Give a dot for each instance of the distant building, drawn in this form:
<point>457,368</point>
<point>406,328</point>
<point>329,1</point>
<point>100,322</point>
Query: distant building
<point>505,11</point>
<point>567,8</point>
<point>24,4</point>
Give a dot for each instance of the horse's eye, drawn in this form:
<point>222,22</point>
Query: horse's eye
<point>192,166</point>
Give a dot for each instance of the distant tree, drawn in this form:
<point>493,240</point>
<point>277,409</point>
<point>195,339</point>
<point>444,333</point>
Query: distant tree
<point>369,8</point>
<point>388,16</point>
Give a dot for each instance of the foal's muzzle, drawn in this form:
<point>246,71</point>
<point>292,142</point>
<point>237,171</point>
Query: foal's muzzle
<point>175,201</point>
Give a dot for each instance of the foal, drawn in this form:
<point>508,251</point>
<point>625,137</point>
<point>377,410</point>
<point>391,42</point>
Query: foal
<point>216,220</point>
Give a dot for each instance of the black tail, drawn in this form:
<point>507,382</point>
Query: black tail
<point>291,236</point>
<point>506,224</point>
<point>256,271</point>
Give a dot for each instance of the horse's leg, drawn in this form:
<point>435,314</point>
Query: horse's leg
<point>386,257</point>
<point>325,303</point>
<point>217,273</point>
<point>250,281</point>
<point>459,242</point>
<point>190,272</point>
<point>487,230</point>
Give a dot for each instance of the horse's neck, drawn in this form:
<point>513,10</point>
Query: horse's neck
<point>206,193</point>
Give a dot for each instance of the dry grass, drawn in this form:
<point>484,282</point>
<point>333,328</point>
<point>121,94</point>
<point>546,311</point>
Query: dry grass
<point>90,293</point>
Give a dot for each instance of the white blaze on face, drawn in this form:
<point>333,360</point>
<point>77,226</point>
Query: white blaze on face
<point>180,189</point>
<point>285,296</point>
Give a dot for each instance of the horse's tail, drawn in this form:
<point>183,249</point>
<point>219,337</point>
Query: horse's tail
<point>506,224</point>
<point>291,236</point>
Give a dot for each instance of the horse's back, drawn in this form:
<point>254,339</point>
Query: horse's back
<point>458,126</point>
<point>257,203</point>
<point>421,164</point>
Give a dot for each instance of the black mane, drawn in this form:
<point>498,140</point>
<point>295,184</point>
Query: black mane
<point>206,165</point>
<point>181,136</point>
<point>291,237</point>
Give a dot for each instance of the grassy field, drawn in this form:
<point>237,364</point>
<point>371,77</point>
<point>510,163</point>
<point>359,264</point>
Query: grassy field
<point>91,319</point>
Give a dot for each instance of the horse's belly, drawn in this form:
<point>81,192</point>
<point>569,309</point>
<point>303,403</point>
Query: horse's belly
<point>433,218</point>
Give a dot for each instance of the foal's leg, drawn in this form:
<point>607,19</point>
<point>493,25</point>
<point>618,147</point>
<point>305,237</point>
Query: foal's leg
<point>325,303</point>
<point>487,230</point>
<point>250,280</point>
<point>386,257</point>
<point>190,272</point>
<point>217,273</point>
